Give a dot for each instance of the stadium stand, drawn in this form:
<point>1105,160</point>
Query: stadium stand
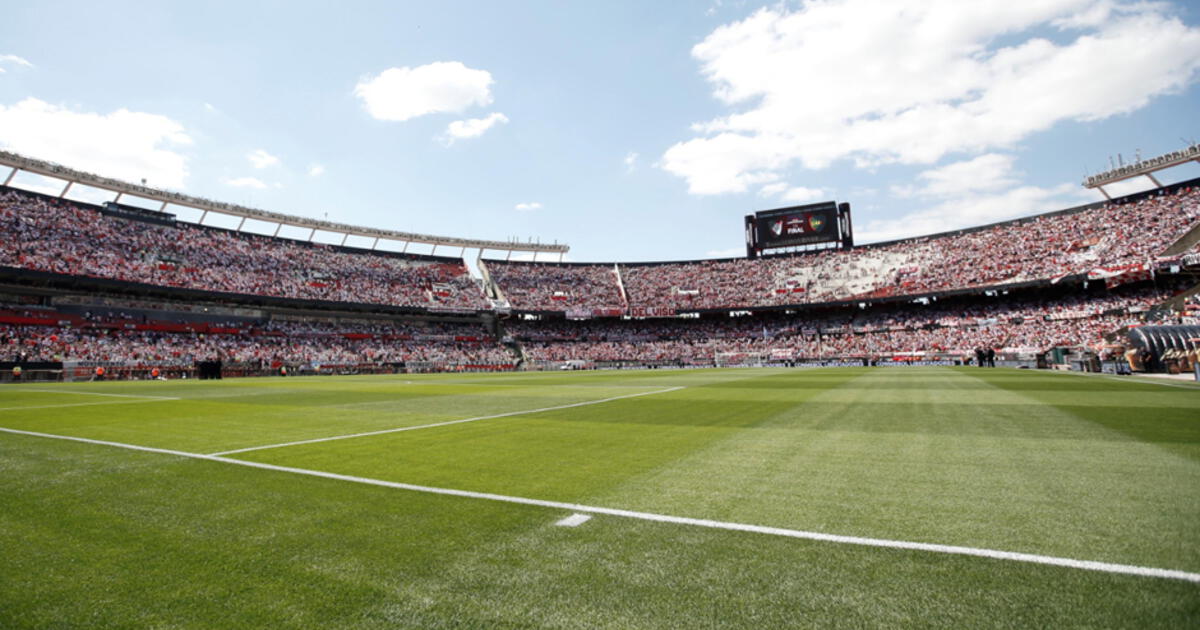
<point>80,288</point>
<point>1014,326</point>
<point>1114,241</point>
<point>72,239</point>
<point>559,287</point>
<point>135,345</point>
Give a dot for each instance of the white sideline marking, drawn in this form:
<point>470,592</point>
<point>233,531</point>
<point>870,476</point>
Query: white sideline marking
<point>67,391</point>
<point>1148,380</point>
<point>240,394</point>
<point>530,385</point>
<point>110,402</point>
<point>442,424</point>
<point>574,520</point>
<point>1087,565</point>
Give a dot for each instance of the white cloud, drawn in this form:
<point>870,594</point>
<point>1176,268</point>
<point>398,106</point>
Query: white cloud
<point>13,60</point>
<point>316,170</point>
<point>90,195</point>
<point>991,171</point>
<point>40,184</point>
<point>795,194</point>
<point>912,81</point>
<point>528,207</point>
<point>630,161</point>
<point>403,93</point>
<point>247,182</point>
<point>972,210</point>
<point>1128,187</point>
<point>732,252</point>
<point>261,159</point>
<point>472,128</point>
<point>969,193</point>
<point>800,194</point>
<point>209,107</point>
<point>123,144</point>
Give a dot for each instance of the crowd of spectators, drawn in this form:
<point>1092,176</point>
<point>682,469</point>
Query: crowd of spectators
<point>1026,326</point>
<point>105,338</point>
<point>67,238</point>
<point>557,287</point>
<point>1044,248</point>
<point>1190,314</point>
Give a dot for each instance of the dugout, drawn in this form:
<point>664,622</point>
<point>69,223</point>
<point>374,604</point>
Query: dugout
<point>1164,342</point>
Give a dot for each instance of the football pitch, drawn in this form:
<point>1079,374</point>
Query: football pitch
<point>738,498</point>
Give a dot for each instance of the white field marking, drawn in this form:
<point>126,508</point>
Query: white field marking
<point>442,424</point>
<point>1148,380</point>
<point>530,385</point>
<point>1087,565</point>
<point>91,404</point>
<point>67,391</point>
<point>236,394</point>
<point>574,520</point>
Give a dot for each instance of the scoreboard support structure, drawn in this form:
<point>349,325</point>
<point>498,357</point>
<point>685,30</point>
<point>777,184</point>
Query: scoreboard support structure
<point>824,225</point>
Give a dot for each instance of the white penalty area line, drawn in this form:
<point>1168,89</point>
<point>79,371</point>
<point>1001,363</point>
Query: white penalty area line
<point>443,424</point>
<point>87,404</point>
<point>530,385</point>
<point>68,391</point>
<point>1087,565</point>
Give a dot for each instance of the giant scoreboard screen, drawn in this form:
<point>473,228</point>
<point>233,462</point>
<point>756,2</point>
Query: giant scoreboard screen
<point>824,222</point>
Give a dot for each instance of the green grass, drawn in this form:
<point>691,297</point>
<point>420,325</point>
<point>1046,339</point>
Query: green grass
<point>1061,465</point>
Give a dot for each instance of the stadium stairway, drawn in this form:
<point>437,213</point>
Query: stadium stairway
<point>1162,311</point>
<point>1185,242</point>
<point>1168,308</point>
<point>490,288</point>
<point>621,287</point>
<point>509,342</point>
<point>1173,305</point>
<point>515,348</point>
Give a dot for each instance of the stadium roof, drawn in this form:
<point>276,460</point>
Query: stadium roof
<point>57,171</point>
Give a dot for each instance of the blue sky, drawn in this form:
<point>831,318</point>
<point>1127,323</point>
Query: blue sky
<point>629,130</point>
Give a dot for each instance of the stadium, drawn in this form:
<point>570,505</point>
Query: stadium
<point>215,415</point>
<point>121,292</point>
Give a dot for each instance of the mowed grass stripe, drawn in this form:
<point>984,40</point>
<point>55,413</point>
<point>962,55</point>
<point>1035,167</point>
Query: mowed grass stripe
<point>819,452</point>
<point>111,395</point>
<point>994,554</point>
<point>16,399</point>
<point>565,455</point>
<point>85,404</point>
<point>100,537</point>
<point>284,410</point>
<point>1021,476</point>
<point>524,412</point>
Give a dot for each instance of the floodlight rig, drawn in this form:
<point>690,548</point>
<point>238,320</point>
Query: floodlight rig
<point>1143,168</point>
